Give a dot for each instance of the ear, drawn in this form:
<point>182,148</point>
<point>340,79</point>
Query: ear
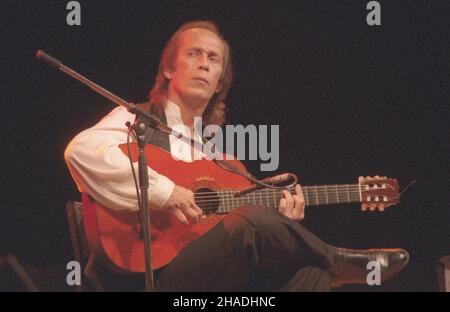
<point>168,74</point>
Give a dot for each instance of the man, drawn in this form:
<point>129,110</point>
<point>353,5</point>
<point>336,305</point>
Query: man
<point>253,248</point>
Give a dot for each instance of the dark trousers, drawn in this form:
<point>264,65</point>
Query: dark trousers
<point>252,249</point>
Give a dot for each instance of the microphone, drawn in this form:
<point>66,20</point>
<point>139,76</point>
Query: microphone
<point>48,59</point>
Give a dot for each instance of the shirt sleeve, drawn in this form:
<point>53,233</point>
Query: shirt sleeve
<point>102,170</point>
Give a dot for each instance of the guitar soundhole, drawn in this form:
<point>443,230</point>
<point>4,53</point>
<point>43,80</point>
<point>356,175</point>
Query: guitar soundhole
<point>208,200</point>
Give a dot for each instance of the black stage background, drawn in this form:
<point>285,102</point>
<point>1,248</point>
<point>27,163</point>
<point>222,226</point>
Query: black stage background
<point>350,100</point>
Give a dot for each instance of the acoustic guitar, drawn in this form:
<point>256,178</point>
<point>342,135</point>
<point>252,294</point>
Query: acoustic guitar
<point>115,236</point>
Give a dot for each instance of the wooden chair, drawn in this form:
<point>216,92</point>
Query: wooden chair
<point>81,250</point>
<point>443,273</point>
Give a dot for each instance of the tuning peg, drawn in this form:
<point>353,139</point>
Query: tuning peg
<point>381,208</point>
<point>372,207</point>
<point>364,207</point>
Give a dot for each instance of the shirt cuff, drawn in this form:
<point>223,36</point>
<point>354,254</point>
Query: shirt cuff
<point>161,191</point>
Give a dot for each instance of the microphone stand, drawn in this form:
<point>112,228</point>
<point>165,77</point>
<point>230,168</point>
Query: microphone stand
<point>140,130</point>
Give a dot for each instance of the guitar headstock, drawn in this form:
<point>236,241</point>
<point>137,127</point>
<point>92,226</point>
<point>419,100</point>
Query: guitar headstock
<point>378,193</point>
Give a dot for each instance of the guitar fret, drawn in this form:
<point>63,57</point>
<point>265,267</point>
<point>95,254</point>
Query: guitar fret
<point>223,198</point>
<point>219,193</point>
<point>306,196</point>
<point>355,195</point>
<point>266,199</point>
<point>348,194</point>
<point>326,193</point>
<point>225,202</point>
<point>337,194</point>
<point>233,200</point>
<point>311,195</point>
<point>275,197</point>
<point>359,192</point>
<point>317,197</point>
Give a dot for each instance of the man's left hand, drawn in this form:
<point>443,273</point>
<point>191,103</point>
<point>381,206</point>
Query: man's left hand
<point>293,206</point>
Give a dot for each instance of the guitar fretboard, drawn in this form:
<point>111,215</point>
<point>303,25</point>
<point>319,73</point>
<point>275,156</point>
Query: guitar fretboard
<point>223,201</point>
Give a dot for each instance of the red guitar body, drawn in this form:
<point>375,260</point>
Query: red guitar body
<point>114,236</point>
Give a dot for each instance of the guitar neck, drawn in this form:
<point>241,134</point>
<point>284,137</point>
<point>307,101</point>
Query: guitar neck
<point>314,195</point>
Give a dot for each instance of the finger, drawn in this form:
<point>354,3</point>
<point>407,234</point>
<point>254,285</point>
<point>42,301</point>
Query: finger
<point>289,201</point>
<point>192,204</point>
<point>196,212</point>
<point>190,212</point>
<point>179,215</point>
<point>282,206</point>
<point>197,208</point>
<point>299,192</point>
<point>300,202</point>
<point>298,207</point>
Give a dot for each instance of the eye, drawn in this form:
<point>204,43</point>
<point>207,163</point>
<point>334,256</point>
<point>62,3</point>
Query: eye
<point>214,59</point>
<point>192,53</point>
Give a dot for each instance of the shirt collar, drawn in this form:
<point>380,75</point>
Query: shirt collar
<point>174,111</point>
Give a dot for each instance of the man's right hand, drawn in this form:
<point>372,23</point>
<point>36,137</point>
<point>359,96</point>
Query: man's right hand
<point>182,204</point>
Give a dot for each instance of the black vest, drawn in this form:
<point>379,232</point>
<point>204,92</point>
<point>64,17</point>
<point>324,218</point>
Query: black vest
<point>153,136</point>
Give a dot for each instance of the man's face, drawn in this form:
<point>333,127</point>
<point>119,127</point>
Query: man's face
<point>197,68</point>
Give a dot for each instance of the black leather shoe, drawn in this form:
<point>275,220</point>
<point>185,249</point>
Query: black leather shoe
<point>350,266</point>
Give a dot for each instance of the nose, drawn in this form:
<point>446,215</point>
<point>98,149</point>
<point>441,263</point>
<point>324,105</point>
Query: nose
<point>203,63</point>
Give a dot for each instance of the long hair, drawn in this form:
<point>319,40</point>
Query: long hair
<point>215,110</point>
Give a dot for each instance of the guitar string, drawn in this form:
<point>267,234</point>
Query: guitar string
<point>319,188</point>
<point>215,198</point>
<point>216,204</point>
<point>269,200</point>
<point>310,194</point>
<point>308,198</point>
<point>269,195</point>
<point>227,207</point>
<point>211,204</point>
<point>331,190</point>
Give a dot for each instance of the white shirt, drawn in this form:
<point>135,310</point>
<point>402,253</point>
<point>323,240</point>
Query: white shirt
<point>102,170</point>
